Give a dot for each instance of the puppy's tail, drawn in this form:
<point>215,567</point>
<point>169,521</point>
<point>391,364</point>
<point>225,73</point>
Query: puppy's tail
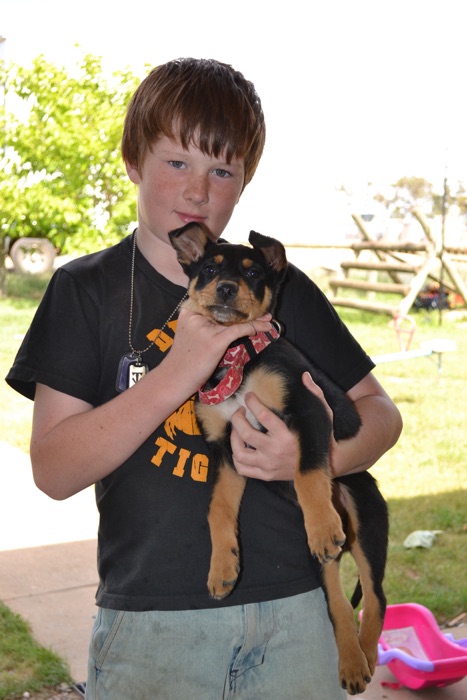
<point>356,595</point>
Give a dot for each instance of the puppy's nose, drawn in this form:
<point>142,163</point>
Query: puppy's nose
<point>226,290</point>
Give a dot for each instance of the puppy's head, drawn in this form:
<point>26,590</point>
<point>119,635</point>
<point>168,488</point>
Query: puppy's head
<point>229,283</point>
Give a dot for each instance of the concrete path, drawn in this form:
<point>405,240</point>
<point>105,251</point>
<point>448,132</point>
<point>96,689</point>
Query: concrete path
<point>48,573</point>
<point>29,518</point>
<point>48,568</point>
<point>53,588</point>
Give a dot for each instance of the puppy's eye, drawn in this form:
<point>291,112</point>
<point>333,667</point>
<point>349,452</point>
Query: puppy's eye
<point>253,273</point>
<point>210,270</point>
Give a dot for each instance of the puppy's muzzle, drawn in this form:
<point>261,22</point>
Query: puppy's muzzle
<point>226,291</point>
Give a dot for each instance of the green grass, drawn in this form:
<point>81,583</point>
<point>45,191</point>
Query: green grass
<point>24,664</point>
<point>16,312</point>
<point>423,477</point>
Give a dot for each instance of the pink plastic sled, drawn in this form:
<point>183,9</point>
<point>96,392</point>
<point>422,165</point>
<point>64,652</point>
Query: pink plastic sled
<point>415,650</point>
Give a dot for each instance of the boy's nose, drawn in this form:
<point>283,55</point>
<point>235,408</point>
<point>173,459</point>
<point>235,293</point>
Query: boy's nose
<point>197,190</point>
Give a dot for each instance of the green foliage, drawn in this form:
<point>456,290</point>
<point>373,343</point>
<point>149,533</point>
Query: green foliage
<point>461,198</point>
<point>16,312</point>
<point>24,664</point>
<point>412,192</point>
<point>62,175</point>
<point>408,193</point>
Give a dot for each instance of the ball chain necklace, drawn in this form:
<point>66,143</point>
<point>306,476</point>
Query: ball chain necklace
<point>131,368</point>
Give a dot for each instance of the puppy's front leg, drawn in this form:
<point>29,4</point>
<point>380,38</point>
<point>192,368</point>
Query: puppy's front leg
<point>223,524</point>
<point>322,523</point>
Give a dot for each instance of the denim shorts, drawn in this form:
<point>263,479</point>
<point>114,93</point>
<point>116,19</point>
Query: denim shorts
<point>277,650</point>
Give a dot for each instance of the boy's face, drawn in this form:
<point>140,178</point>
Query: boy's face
<point>176,186</point>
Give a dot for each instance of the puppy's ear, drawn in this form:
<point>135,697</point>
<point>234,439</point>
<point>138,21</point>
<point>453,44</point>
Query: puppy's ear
<point>272,249</point>
<point>190,242</point>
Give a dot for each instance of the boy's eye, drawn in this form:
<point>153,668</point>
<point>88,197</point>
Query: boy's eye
<point>178,164</point>
<point>220,172</point>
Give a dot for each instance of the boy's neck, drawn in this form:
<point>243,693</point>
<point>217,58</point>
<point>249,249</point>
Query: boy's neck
<point>162,257</point>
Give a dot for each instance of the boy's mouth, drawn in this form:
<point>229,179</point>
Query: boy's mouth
<point>188,218</point>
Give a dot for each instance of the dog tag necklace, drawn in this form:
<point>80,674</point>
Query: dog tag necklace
<point>131,368</point>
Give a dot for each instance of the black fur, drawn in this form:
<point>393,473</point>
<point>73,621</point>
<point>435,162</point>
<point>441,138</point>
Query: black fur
<point>233,283</point>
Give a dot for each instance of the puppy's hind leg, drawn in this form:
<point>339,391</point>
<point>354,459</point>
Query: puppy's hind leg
<point>369,519</point>
<point>374,607</point>
<point>354,670</point>
<point>371,573</point>
<point>223,524</point>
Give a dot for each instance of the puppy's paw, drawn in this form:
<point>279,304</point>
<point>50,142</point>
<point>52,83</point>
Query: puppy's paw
<point>355,676</point>
<point>223,574</point>
<point>326,538</point>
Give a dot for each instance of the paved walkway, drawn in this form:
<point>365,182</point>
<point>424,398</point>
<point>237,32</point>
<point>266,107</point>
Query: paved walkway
<point>48,560</point>
<point>48,573</point>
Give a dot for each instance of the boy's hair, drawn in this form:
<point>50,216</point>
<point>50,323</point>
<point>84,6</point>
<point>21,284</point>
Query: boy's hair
<point>201,102</point>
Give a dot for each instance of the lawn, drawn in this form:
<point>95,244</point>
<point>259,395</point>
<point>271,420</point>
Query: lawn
<point>424,477</point>
<point>24,664</point>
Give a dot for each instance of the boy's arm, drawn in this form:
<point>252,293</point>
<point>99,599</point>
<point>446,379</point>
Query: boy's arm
<point>73,444</point>
<point>380,429</point>
<point>275,453</point>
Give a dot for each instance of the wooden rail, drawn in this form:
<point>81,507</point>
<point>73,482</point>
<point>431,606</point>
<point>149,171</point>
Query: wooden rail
<point>421,261</point>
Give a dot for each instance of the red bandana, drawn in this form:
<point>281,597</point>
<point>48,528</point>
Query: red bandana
<point>235,359</point>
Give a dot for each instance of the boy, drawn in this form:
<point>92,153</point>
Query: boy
<point>114,408</point>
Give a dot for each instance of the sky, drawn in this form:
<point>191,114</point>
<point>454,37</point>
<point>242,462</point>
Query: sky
<point>354,91</point>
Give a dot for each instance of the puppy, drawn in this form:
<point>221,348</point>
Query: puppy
<point>233,283</point>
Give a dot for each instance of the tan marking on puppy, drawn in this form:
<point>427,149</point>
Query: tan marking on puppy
<point>358,654</point>
<point>354,669</point>
<point>214,420</point>
<point>322,522</point>
<point>249,304</point>
<point>266,301</point>
<point>200,299</point>
<point>205,301</point>
<point>222,518</point>
<point>269,387</point>
<point>251,307</point>
<point>372,621</point>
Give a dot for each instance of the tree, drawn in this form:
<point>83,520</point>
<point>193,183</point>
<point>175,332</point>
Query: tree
<point>416,192</point>
<point>461,198</point>
<point>61,174</point>
<point>407,193</point>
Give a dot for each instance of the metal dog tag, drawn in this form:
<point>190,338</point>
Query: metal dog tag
<point>130,371</point>
<point>136,372</point>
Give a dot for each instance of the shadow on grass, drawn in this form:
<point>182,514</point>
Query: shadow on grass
<point>433,577</point>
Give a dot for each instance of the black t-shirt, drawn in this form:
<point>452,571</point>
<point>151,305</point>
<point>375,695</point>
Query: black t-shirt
<point>153,540</point>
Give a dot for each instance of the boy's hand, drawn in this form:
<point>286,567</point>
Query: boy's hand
<point>200,344</point>
<point>269,456</point>
<point>317,391</point>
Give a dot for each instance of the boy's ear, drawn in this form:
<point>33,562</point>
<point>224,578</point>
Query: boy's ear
<point>133,173</point>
